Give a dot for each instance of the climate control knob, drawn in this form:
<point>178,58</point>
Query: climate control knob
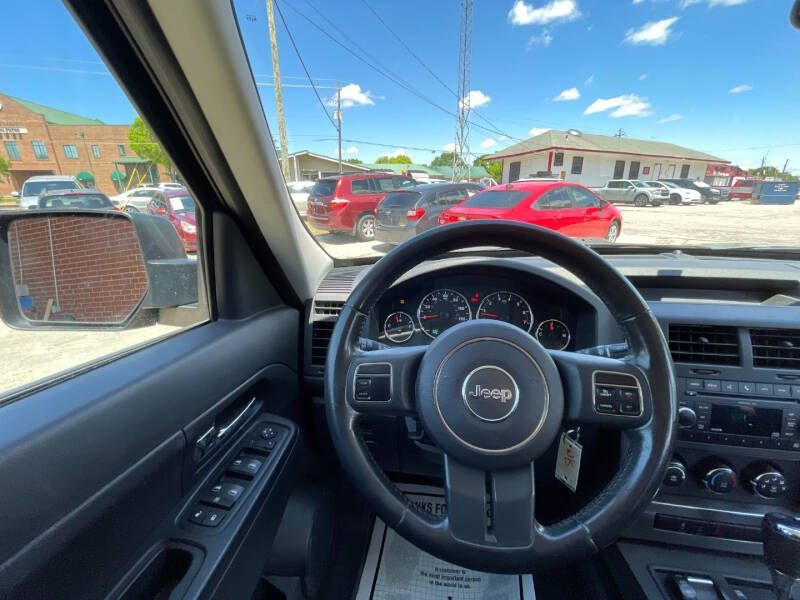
<point>767,482</point>
<point>720,479</point>
<point>686,417</point>
<point>675,474</point>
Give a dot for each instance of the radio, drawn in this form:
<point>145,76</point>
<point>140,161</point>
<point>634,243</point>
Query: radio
<point>753,423</point>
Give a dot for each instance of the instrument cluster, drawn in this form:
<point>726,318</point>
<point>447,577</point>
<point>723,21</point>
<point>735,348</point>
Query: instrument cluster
<point>419,310</point>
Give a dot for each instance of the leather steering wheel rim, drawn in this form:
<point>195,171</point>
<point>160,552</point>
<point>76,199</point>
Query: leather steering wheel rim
<point>512,541</point>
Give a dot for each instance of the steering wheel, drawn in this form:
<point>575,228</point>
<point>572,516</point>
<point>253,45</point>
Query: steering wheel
<point>493,399</point>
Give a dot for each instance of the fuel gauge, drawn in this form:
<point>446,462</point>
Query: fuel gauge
<point>398,327</point>
<point>553,334</point>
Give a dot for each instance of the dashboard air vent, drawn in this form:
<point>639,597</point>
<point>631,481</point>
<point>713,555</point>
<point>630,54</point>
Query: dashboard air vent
<point>323,320</point>
<point>324,308</point>
<point>340,281</point>
<point>709,344</point>
<point>776,348</point>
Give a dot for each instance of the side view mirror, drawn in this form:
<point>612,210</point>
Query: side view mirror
<point>90,269</point>
<point>15,194</point>
<point>160,211</point>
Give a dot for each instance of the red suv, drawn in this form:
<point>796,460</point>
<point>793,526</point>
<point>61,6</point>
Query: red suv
<point>177,206</point>
<point>346,202</point>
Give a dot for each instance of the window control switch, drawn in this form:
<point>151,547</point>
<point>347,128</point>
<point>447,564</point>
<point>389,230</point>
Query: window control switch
<point>220,499</point>
<point>245,465</point>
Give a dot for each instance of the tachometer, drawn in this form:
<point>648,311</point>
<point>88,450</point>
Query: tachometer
<point>440,310</point>
<point>398,327</point>
<point>553,334</point>
<point>506,306</point>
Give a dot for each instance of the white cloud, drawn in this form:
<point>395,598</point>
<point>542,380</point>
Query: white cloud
<point>488,143</point>
<point>396,152</point>
<point>555,11</point>
<point>745,87</point>
<point>670,119</point>
<point>568,94</point>
<point>627,105</point>
<point>351,150</point>
<point>475,98</point>
<point>643,76</point>
<point>711,3</point>
<point>538,131</point>
<point>451,147</point>
<point>544,39</point>
<point>638,1</point>
<point>654,33</point>
<point>352,95</point>
<point>502,138</point>
<point>589,80</point>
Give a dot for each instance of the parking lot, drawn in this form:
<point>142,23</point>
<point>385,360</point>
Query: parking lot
<point>727,222</point>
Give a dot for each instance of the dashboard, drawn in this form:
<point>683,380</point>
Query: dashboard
<point>418,310</point>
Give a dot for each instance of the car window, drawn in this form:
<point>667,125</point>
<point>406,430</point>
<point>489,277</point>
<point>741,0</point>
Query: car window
<point>182,205</point>
<point>324,187</point>
<point>402,182</point>
<point>495,199</point>
<point>93,293</point>
<point>35,188</point>
<point>556,199</point>
<point>450,197</point>
<point>359,186</point>
<point>385,184</point>
<point>583,199</point>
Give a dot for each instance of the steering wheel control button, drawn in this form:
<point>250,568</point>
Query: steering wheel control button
<point>373,382</point>
<point>617,394</point>
<point>490,393</point>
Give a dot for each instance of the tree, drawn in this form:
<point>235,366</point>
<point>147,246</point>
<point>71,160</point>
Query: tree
<point>5,168</point>
<point>771,172</point>
<point>445,159</point>
<point>494,168</point>
<point>146,146</point>
<point>400,159</point>
<point>354,161</point>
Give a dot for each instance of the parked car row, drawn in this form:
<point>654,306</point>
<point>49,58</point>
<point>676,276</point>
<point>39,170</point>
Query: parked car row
<point>655,193</point>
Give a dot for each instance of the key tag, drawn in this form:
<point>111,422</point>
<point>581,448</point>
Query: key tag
<point>568,461</point>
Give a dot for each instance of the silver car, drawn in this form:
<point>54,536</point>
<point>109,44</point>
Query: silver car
<point>135,200</point>
<point>633,191</point>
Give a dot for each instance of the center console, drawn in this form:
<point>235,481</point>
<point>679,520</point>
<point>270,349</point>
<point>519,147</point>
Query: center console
<point>736,458</point>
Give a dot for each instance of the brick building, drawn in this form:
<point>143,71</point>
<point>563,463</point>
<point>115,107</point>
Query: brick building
<point>40,140</point>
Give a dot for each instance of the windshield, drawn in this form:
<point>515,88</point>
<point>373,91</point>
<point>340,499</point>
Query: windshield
<point>181,204</point>
<point>35,188</point>
<point>356,89</point>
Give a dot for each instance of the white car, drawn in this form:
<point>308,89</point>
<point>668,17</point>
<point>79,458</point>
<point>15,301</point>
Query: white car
<point>170,185</point>
<point>678,194</point>
<point>299,191</point>
<point>134,200</point>
<point>39,184</point>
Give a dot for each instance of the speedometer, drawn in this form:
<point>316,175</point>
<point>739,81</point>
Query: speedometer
<point>440,310</point>
<point>506,306</point>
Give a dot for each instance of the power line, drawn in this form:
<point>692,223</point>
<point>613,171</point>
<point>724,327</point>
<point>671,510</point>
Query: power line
<point>382,145</point>
<point>410,51</point>
<point>300,58</point>
<point>394,79</point>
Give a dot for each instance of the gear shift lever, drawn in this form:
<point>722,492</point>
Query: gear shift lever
<point>781,535</point>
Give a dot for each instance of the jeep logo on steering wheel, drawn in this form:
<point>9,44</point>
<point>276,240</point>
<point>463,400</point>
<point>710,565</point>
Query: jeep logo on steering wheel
<point>490,393</point>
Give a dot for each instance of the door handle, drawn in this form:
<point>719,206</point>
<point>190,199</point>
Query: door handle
<point>233,424</point>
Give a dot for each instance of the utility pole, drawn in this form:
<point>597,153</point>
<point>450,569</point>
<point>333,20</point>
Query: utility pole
<point>785,166</point>
<point>761,170</point>
<point>619,133</point>
<point>276,75</point>
<point>461,151</point>
<point>339,120</point>
<point>89,157</point>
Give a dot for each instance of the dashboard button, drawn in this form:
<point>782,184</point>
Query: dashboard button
<point>712,385</point>
<point>747,387</point>
<point>764,389</point>
<point>694,384</point>
<point>782,389</point>
<point>796,391</point>
<point>730,387</point>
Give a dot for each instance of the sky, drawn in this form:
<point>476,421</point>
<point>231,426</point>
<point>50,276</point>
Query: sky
<point>719,76</point>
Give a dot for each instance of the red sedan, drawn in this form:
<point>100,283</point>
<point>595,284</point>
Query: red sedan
<point>568,208</point>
